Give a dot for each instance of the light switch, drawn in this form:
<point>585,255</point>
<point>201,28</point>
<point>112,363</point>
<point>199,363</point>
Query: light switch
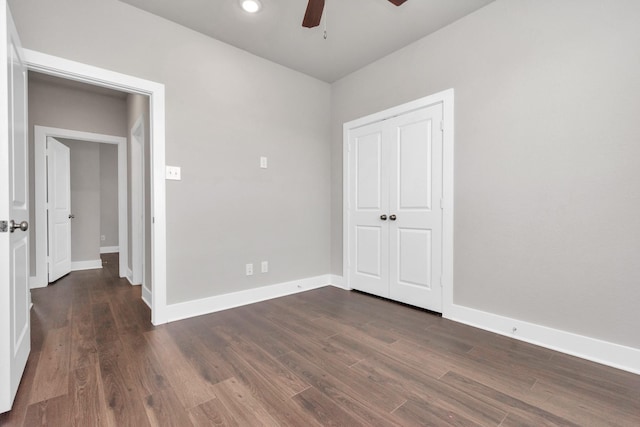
<point>263,162</point>
<point>173,173</point>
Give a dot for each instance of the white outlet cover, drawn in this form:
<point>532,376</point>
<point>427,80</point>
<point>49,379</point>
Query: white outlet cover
<point>264,266</point>
<point>249,269</point>
<point>174,173</point>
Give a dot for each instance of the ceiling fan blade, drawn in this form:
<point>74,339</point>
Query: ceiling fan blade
<point>397,2</point>
<point>313,15</point>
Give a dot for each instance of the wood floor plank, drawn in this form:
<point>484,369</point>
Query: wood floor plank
<point>104,324</point>
<point>212,413</point>
<point>88,405</point>
<point>191,388</point>
<point>324,410</point>
<point>262,380</point>
<point>424,413</point>
<point>123,398</point>
<point>164,409</point>
<point>51,412</point>
<point>574,404</point>
<point>52,374</point>
<point>143,366</point>
<point>369,411</point>
<point>508,403</point>
<point>84,349</point>
<point>284,380</point>
<point>418,387</point>
<point>238,400</point>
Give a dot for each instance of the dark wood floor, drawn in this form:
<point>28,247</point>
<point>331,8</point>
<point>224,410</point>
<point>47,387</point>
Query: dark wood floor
<point>324,357</point>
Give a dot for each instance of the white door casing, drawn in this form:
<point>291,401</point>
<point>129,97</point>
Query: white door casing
<point>411,147</point>
<point>15,295</point>
<point>137,202</point>
<point>41,228</point>
<point>72,70</point>
<point>59,208</point>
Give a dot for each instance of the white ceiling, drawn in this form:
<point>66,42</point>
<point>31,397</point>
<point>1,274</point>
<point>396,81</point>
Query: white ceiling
<point>359,31</point>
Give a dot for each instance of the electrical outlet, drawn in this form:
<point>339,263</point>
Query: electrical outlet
<point>103,238</point>
<point>174,173</point>
<point>265,266</point>
<point>249,269</point>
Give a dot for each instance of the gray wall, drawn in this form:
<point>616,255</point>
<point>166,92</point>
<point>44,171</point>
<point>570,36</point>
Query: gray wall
<point>56,104</point>
<point>224,109</point>
<point>109,194</point>
<point>85,199</point>
<point>138,106</point>
<point>546,157</point>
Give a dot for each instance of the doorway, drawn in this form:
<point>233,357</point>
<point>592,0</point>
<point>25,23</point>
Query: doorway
<point>41,134</point>
<point>398,203</point>
<point>75,71</point>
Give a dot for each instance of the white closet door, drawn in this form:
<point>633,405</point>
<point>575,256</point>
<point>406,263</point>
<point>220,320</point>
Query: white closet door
<point>415,213</point>
<point>368,201</point>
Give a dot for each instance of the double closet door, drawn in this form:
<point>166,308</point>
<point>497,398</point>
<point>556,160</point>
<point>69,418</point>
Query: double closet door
<point>394,208</point>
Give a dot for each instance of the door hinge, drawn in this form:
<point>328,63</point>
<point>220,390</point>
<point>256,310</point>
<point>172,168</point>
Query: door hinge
<point>441,203</point>
<point>441,125</point>
<point>4,226</point>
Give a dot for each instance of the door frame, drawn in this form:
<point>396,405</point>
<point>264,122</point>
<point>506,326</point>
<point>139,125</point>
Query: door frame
<point>446,98</point>
<point>137,211</point>
<point>72,70</point>
<point>41,133</point>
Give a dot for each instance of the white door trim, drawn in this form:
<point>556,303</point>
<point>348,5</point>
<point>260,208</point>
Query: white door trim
<point>137,194</point>
<point>77,71</point>
<point>40,175</point>
<point>446,98</point>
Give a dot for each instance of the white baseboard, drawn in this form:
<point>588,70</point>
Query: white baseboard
<point>606,353</point>
<point>338,282</point>
<point>199,307</point>
<point>36,282</point>
<point>109,249</point>
<point>130,278</point>
<point>146,296</point>
<point>86,265</point>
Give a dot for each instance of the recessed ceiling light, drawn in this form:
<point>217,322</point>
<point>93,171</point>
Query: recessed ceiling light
<point>251,6</point>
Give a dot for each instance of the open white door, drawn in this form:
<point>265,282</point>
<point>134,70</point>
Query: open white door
<point>15,301</point>
<point>59,202</point>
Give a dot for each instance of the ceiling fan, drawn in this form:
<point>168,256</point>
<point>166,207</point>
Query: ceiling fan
<point>313,15</point>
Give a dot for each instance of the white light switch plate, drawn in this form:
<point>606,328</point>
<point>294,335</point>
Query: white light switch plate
<point>263,162</point>
<point>173,173</point>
